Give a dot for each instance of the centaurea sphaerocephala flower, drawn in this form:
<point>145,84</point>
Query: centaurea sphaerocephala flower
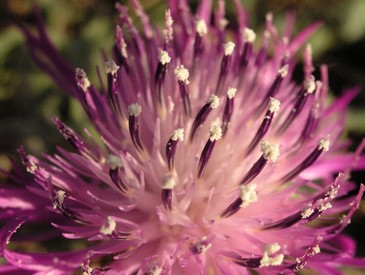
<point>209,159</point>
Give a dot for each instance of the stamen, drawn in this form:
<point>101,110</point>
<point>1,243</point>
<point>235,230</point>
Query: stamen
<point>268,259</point>
<point>215,133</point>
<point>274,106</point>
<point>201,246</point>
<point>274,88</point>
<point>168,184</point>
<point>110,67</point>
<point>309,88</point>
<point>177,135</point>
<point>134,111</point>
<point>81,79</point>
<point>69,135</point>
<point>312,210</point>
<point>168,31</point>
<point>249,37</point>
<point>201,28</point>
<point>310,252</point>
<point>270,152</point>
<point>323,146</point>
<point>60,198</point>
<point>248,195</point>
<point>164,60</point>
<point>212,103</point>
<point>228,109</point>
<point>225,65</point>
<point>109,227</point>
<point>182,76</point>
<point>115,163</point>
<point>229,48</point>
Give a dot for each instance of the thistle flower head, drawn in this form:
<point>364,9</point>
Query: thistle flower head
<point>209,158</point>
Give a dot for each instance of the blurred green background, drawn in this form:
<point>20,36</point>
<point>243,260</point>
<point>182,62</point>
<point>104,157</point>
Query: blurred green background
<point>82,28</point>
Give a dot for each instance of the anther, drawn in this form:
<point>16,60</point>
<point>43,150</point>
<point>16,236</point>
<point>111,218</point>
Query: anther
<point>249,37</point>
<point>163,60</point>
<point>168,31</point>
<point>274,88</point>
<point>270,152</point>
<point>274,106</point>
<point>168,184</point>
<point>109,227</point>
<point>202,115</point>
<point>307,89</point>
<point>323,146</point>
<point>134,111</point>
<point>115,164</point>
<point>182,76</point>
<point>225,65</point>
<point>81,79</point>
<point>177,135</point>
<point>215,133</point>
<point>228,110</point>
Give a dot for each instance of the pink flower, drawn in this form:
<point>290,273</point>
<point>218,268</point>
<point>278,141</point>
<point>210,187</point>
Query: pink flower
<point>209,158</point>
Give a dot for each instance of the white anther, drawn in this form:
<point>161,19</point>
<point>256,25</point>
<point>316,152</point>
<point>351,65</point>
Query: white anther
<point>310,84</point>
<point>182,74</point>
<point>307,211</point>
<point>109,227</point>
<point>201,27</point>
<point>178,134</point>
<point>215,132</point>
<point>231,92</point>
<point>114,162</point>
<point>168,31</point>
<point>268,260</point>
<point>168,181</point>
<point>316,249</point>
<point>222,23</point>
<point>154,270</point>
<point>271,152</point>
<point>283,71</point>
<point>61,195</point>
<point>213,101</point>
<point>324,144</point>
<point>164,57</point>
<point>229,48</point>
<point>248,194</point>
<point>134,109</point>
<point>273,248</point>
<point>249,35</point>
<point>325,206</point>
<point>82,80</point>
<point>274,105</point>
<point>110,67</point>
